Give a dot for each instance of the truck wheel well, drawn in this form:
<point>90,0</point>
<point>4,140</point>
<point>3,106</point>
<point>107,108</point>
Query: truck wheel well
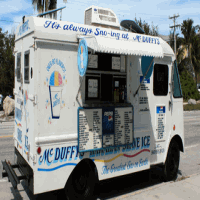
<point>178,139</point>
<point>87,161</point>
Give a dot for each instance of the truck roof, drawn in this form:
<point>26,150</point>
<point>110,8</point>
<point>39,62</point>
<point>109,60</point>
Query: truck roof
<point>99,39</point>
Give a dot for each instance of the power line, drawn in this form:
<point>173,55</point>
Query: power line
<point>175,25</point>
<point>10,21</point>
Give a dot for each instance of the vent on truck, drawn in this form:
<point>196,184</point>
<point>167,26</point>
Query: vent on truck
<point>103,17</point>
<point>105,12</point>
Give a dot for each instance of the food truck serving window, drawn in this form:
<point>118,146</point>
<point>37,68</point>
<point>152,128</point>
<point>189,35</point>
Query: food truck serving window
<point>106,78</point>
<point>106,120</point>
<point>18,67</point>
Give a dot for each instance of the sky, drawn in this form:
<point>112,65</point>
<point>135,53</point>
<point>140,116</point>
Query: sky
<point>157,11</point>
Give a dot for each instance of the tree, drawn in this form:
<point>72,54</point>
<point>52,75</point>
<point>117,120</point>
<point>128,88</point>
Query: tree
<point>149,30</point>
<point>179,49</point>
<point>188,30</point>
<point>195,55</point>
<point>45,5</point>
<point>6,63</point>
<point>188,86</point>
<point>192,43</point>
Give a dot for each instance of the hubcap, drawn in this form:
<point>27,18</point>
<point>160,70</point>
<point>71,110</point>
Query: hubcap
<point>81,183</point>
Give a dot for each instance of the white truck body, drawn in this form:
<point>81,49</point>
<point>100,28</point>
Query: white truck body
<point>47,114</point>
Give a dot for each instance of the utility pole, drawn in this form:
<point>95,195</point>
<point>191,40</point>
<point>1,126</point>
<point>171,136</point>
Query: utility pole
<point>175,25</point>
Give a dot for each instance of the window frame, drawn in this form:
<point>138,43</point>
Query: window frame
<point>154,80</point>
<point>179,84</point>
<point>19,66</point>
<point>27,67</point>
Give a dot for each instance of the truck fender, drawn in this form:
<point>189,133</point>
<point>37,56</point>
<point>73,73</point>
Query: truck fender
<point>179,141</point>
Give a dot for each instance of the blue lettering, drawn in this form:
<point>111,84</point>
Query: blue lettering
<point>53,61</point>
<point>105,170</point>
<point>72,152</point>
<point>97,32</point>
<point>56,102</point>
<point>47,23</point>
<point>45,157</point>
<point>65,27</point>
<point>71,27</point>
<point>138,142</point>
<point>55,25</point>
<point>75,28</point>
<point>125,36</point>
<point>62,154</point>
<point>76,153</point>
<point>57,154</point>
<point>143,162</point>
<point>67,152</point>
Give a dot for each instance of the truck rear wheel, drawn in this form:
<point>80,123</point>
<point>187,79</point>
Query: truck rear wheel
<point>170,168</point>
<point>81,183</point>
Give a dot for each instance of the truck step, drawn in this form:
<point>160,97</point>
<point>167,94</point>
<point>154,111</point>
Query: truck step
<point>11,174</point>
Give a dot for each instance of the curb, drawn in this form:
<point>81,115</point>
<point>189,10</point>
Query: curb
<point>155,187</point>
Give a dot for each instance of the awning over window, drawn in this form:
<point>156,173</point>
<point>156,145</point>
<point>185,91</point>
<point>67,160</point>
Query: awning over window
<point>127,47</point>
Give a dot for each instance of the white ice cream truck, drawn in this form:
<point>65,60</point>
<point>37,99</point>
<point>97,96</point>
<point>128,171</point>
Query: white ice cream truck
<point>92,102</point>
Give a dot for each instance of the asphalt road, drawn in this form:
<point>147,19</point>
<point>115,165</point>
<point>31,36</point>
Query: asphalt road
<point>117,188</point>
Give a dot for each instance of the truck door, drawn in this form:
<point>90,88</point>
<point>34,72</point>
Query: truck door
<point>161,80</point>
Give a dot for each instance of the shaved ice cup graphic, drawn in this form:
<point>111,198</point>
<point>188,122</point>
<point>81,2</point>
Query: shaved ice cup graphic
<point>55,91</point>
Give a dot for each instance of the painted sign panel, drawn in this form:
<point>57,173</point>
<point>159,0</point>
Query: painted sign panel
<point>143,97</point>
<point>90,129</point>
<point>18,114</point>
<point>123,126</point>
<point>160,121</point>
<point>82,57</point>
<point>108,120</point>
<point>105,127</point>
<point>55,80</point>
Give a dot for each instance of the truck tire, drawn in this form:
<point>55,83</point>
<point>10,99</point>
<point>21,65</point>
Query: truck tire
<point>170,169</point>
<point>81,183</point>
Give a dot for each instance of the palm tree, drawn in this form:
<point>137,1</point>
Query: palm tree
<point>191,42</point>
<point>188,30</point>
<point>195,55</point>
<point>45,5</point>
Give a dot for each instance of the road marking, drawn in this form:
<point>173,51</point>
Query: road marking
<point>3,180</point>
<point>195,123</point>
<point>192,146</point>
<point>4,136</point>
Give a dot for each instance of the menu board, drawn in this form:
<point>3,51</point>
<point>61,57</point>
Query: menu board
<point>90,129</point>
<point>128,125</point>
<point>108,140</point>
<point>93,61</point>
<point>160,120</point>
<point>116,63</point>
<point>123,126</point>
<point>105,127</point>
<point>143,95</point>
<point>93,88</point>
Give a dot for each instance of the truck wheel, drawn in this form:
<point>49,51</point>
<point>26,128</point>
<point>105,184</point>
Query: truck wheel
<point>81,183</point>
<point>170,168</point>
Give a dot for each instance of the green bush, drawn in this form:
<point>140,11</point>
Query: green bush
<point>191,107</point>
<point>188,86</point>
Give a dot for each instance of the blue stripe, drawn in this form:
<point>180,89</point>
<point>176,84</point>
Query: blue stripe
<point>52,169</point>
